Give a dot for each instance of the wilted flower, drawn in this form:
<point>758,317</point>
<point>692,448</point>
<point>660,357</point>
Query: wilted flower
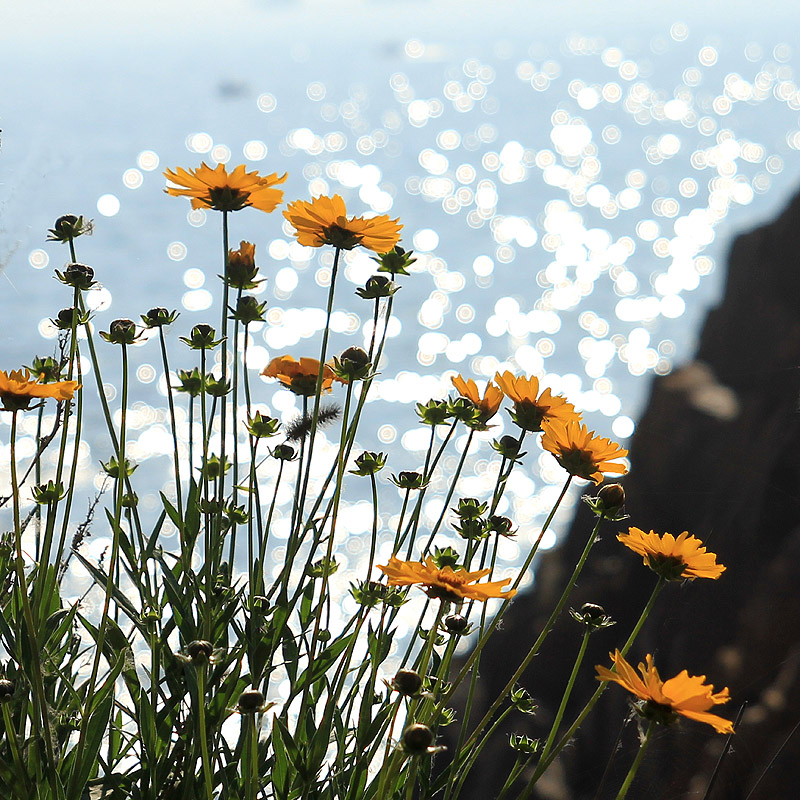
<point>592,616</point>
<point>121,331</point>
<point>376,287</point>
<point>418,740</point>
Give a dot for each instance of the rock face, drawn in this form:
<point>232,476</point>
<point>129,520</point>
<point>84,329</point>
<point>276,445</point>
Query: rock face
<point>716,453</point>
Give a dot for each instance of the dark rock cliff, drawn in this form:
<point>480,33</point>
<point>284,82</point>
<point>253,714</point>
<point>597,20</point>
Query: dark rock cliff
<point>716,453</point>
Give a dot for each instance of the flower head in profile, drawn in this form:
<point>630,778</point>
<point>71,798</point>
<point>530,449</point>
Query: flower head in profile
<point>661,701</point>
<point>324,220</point>
<point>580,452</point>
<point>300,376</point>
<point>487,405</point>
<point>445,583</point>
<point>672,558</point>
<point>18,389</point>
<point>532,407</point>
<point>225,191</point>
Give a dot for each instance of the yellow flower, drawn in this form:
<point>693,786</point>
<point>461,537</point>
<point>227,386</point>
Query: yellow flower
<point>324,221</point>
<point>223,191</point>
<point>445,583</point>
<point>685,694</point>
<point>580,452</point>
<point>488,404</point>
<point>673,559</point>
<point>300,376</point>
<point>17,389</point>
<point>531,407</point>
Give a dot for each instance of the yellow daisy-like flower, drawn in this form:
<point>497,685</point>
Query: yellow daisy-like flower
<point>580,452</point>
<point>673,558</point>
<point>487,405</point>
<point>687,695</point>
<point>531,407</point>
<point>446,583</point>
<point>300,376</point>
<point>324,221</point>
<point>18,389</point>
<point>223,191</point>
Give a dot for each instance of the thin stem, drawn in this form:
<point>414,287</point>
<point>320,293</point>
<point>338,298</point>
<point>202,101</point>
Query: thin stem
<point>171,402</point>
<point>567,692</point>
<point>544,763</point>
<point>636,762</point>
<point>201,724</point>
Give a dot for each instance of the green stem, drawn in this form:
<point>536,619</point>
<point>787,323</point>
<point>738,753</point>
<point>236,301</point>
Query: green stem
<point>544,763</point>
<point>201,724</point>
<point>19,766</point>
<point>171,402</point>
<point>112,566</point>
<point>544,633</point>
<point>496,621</point>
<point>567,692</point>
<point>636,762</point>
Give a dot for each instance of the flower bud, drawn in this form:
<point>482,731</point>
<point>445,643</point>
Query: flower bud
<point>69,226</point>
<point>502,526</point>
<point>79,276</point>
<point>111,467</point>
<point>376,287</point>
<point>251,701</point>
<point>409,480</point>
<point>352,365</point>
<point>407,682</point>
<point>283,452</point>
<point>592,616</point>
<point>508,447</point>
<point>469,508</point>
<point>416,739</point>
<point>47,368</point>
<point>609,502</point>
<point>47,493</point>
<point>199,652</point>
<point>249,310</point>
<point>68,317</point>
<point>158,317</point>
<point>434,412</point>
<point>261,426</point>
<point>445,557</point>
<point>6,690</point>
<point>201,337</point>
<point>368,463</point>
<point>395,261</point>
<point>121,331</point>
<point>456,624</point>
<point>191,382</point>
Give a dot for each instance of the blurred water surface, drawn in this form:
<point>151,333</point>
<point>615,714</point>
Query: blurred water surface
<point>570,174</point>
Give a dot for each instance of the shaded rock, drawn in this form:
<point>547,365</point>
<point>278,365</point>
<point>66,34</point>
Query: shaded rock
<point>716,453</point>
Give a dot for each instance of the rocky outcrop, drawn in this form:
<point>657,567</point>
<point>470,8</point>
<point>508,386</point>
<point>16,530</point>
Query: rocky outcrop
<point>716,453</point>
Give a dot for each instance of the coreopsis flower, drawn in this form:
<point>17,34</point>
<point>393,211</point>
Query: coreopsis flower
<point>580,452</point>
<point>223,191</point>
<point>661,701</point>
<point>300,376</point>
<point>324,220</point>
<point>487,405</point>
<point>673,558</point>
<point>531,406</point>
<point>444,583</point>
<point>18,389</point>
